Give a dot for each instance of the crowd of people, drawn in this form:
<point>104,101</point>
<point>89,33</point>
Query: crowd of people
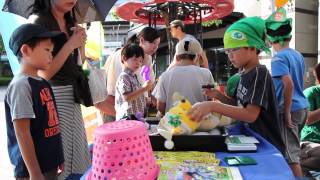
<point>46,134</point>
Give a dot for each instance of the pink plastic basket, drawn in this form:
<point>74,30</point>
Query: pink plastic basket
<point>122,151</point>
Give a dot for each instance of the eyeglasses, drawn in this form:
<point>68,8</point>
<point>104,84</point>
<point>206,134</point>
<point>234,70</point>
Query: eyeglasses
<point>232,50</point>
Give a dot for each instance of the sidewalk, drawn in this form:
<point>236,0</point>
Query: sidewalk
<point>6,171</point>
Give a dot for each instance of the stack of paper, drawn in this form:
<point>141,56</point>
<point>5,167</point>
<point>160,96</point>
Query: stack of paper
<point>241,143</point>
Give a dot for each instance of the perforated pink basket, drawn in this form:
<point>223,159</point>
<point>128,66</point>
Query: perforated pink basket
<point>122,151</point>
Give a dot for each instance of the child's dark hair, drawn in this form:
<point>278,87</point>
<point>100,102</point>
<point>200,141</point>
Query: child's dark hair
<point>148,33</point>
<point>32,43</point>
<point>258,51</point>
<point>284,39</point>
<point>281,31</point>
<point>131,50</point>
<point>317,71</point>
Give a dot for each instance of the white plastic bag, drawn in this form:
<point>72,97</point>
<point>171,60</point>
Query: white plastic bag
<point>97,84</point>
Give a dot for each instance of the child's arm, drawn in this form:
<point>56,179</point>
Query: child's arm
<point>161,106</point>
<point>287,93</point>
<point>134,94</point>
<point>26,145</point>
<point>216,94</point>
<point>313,116</point>
<point>248,114</point>
<point>106,106</point>
<point>204,58</point>
<point>75,41</point>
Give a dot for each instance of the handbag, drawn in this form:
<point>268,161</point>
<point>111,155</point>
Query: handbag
<point>97,83</point>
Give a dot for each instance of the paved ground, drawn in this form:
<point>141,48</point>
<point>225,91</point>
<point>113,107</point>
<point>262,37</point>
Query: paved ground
<point>5,165</point>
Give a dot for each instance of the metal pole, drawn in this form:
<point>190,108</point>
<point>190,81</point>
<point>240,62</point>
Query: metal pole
<point>318,32</point>
<point>150,17</point>
<point>201,37</point>
<point>195,22</point>
<point>171,16</point>
<point>273,5</point>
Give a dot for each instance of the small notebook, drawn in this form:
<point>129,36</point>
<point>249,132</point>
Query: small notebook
<point>241,143</point>
<point>239,160</point>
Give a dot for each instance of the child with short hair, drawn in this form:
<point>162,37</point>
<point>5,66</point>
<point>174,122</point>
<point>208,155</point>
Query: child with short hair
<point>186,78</point>
<point>287,70</point>
<point>243,41</point>
<point>34,141</point>
<point>129,96</point>
<point>310,134</point>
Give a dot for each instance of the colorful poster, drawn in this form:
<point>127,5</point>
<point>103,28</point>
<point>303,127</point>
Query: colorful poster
<point>193,165</point>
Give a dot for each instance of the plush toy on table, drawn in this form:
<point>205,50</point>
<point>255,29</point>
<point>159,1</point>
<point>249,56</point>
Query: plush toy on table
<point>176,121</point>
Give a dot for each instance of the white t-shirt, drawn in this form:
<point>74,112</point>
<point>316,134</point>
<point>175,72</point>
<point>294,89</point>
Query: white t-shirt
<point>114,67</point>
<point>189,36</point>
<point>186,80</point>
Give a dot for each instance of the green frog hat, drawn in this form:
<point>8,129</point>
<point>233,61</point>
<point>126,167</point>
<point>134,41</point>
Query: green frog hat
<point>278,26</point>
<point>247,32</point>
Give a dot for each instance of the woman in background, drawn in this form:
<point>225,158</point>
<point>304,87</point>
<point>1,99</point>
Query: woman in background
<point>149,39</point>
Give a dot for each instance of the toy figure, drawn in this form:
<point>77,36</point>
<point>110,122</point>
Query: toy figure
<point>145,72</point>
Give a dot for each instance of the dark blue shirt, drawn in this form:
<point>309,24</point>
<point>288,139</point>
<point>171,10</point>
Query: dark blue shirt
<point>32,98</point>
<point>256,88</point>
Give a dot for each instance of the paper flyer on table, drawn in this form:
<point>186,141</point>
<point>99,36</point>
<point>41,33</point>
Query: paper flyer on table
<point>193,166</point>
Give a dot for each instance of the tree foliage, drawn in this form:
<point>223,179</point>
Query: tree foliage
<point>1,45</point>
<point>210,23</point>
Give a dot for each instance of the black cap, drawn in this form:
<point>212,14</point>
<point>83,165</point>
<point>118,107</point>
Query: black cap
<point>26,32</point>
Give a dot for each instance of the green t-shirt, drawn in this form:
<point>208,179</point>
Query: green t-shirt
<point>312,132</point>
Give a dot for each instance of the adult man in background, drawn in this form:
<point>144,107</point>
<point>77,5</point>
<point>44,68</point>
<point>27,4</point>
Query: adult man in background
<point>177,30</point>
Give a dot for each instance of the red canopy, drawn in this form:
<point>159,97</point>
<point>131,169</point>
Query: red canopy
<point>138,11</point>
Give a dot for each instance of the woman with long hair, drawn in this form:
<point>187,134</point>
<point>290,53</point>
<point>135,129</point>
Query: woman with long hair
<point>69,83</point>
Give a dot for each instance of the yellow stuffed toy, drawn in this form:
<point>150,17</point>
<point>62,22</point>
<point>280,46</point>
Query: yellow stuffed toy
<point>176,121</point>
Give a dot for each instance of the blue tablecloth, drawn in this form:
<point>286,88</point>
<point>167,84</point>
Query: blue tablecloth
<point>270,163</point>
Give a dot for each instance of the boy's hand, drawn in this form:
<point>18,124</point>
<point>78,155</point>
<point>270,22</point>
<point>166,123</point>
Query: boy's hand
<point>288,120</point>
<point>200,110</point>
<point>147,85</point>
<point>60,168</point>
<point>78,37</point>
<point>211,93</point>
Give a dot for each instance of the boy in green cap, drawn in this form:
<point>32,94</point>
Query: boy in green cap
<point>287,70</point>
<point>243,41</point>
